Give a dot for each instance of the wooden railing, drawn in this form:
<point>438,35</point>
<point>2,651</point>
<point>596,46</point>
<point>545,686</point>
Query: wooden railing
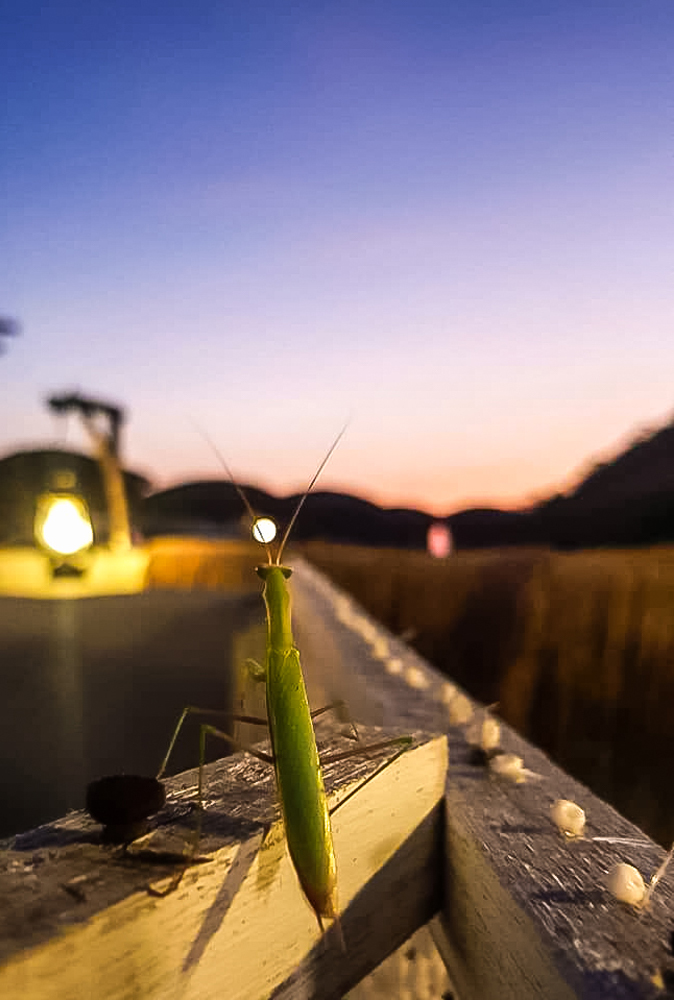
<point>515,909</point>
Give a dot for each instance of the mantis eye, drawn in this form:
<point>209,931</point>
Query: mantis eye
<point>264,570</point>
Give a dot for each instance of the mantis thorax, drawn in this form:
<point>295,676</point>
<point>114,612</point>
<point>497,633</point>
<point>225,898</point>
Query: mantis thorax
<point>277,599</point>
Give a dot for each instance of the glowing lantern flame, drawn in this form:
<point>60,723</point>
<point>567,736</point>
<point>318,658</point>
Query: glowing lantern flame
<point>65,527</point>
<point>264,530</point>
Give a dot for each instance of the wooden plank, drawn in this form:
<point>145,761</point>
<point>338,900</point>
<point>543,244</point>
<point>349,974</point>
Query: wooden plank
<point>526,912</point>
<point>80,922</point>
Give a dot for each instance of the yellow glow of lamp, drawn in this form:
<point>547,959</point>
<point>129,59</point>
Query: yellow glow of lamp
<point>264,530</point>
<point>62,524</point>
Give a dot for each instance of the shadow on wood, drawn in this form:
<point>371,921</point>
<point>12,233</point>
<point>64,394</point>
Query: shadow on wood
<point>237,925</point>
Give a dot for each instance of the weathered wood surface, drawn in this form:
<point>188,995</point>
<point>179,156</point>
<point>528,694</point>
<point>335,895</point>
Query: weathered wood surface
<point>525,913</point>
<point>77,918</point>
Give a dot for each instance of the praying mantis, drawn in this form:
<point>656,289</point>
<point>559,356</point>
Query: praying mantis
<point>299,778</point>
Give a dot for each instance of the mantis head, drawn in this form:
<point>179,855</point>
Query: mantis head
<point>263,571</point>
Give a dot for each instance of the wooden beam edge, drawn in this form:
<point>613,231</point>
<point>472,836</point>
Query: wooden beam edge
<point>527,912</point>
<point>237,925</point>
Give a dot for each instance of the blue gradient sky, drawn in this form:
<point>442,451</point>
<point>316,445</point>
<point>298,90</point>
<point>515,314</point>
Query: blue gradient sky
<point>453,221</point>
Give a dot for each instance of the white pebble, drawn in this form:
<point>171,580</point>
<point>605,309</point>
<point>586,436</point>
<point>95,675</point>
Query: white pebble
<point>568,817</point>
<point>367,630</point>
<point>510,766</point>
<point>491,734</point>
<point>626,884</point>
<point>343,607</point>
<point>380,647</point>
<point>449,692</point>
<point>345,615</point>
<point>416,678</point>
<point>485,734</point>
<point>459,710</point>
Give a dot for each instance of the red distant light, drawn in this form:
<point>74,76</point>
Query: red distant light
<point>439,540</point>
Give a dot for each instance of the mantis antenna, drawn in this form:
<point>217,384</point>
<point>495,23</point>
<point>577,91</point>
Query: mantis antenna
<point>308,491</point>
<point>246,502</point>
<point>244,499</point>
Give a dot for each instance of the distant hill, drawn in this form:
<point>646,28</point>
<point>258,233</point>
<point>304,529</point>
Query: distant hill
<point>334,517</point>
<point>624,502</point>
<point>645,468</point>
<point>491,528</point>
<point>628,501</point>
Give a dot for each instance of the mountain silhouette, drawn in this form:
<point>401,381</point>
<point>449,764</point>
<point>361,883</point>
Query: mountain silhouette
<point>336,517</point>
<point>628,501</point>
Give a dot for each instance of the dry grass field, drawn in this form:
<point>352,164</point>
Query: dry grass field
<point>577,649</point>
<point>183,563</point>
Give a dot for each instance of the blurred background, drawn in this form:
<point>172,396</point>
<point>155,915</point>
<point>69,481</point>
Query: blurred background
<point>451,223</point>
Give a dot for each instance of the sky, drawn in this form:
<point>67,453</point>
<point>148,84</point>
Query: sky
<point>450,223</point>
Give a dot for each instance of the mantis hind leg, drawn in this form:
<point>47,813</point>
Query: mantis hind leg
<point>341,710</point>
<point>208,730</point>
<point>193,710</point>
<point>204,730</point>
<point>404,742</point>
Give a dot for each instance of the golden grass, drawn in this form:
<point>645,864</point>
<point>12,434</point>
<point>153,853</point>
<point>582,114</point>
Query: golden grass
<point>577,648</point>
<point>183,563</point>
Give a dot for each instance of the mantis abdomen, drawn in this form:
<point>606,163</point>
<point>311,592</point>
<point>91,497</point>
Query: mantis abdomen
<point>298,774</point>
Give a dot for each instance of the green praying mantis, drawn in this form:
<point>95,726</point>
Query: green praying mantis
<point>299,778</point>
